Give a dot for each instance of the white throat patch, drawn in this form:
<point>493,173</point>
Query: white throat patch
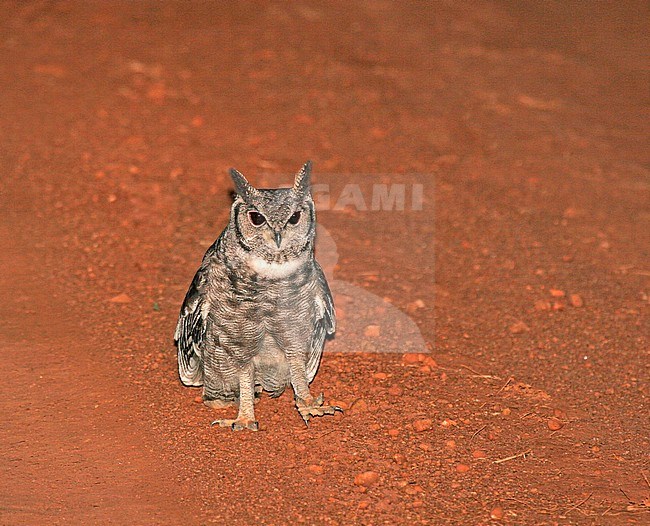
<point>273,270</point>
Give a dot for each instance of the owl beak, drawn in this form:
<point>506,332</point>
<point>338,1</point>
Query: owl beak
<point>278,239</point>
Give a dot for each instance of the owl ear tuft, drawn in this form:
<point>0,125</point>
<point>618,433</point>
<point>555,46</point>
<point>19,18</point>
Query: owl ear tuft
<point>302,182</point>
<point>243,188</point>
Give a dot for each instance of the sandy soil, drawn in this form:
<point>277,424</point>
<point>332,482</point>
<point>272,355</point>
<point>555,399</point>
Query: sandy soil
<point>525,273</point>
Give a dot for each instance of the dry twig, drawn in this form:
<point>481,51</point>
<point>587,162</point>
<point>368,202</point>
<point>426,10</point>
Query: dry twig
<point>576,506</point>
<point>477,432</point>
<point>529,451</point>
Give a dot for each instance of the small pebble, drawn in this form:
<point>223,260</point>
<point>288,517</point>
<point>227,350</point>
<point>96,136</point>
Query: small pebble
<point>315,469</point>
<point>380,376</point>
<point>121,298</point>
<point>576,300</point>
<point>462,468</point>
<point>367,478</point>
<point>413,490</point>
<point>411,358</point>
<point>496,513</point>
<point>518,327</point>
<point>557,293</point>
<point>430,362</point>
<point>554,424</point>
<point>423,424</point>
<point>477,453</point>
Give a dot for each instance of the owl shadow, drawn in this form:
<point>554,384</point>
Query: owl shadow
<point>365,322</point>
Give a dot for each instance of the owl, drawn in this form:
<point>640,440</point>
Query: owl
<point>259,309</point>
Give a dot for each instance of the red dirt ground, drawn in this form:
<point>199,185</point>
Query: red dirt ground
<point>527,125</point>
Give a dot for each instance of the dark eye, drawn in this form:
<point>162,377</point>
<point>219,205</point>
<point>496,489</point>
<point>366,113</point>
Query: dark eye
<point>256,218</point>
<point>295,217</point>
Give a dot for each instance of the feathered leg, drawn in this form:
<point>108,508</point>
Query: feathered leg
<point>246,415</point>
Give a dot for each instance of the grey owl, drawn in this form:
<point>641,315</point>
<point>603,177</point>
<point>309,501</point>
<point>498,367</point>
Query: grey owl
<point>259,308</point>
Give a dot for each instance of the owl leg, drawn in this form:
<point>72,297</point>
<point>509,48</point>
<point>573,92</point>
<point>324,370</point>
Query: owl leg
<point>307,405</point>
<point>246,415</point>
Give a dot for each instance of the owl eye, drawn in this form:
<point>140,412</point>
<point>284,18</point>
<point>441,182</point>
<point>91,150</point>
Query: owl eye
<point>295,217</point>
<point>256,218</point>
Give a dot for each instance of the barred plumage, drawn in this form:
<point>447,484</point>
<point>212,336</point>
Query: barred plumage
<point>259,309</point>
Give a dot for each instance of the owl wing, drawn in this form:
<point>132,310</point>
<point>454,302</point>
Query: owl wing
<point>324,323</point>
<point>192,326</point>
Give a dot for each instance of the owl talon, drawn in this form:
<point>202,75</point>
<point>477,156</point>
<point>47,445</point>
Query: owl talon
<point>237,424</point>
<point>316,408</point>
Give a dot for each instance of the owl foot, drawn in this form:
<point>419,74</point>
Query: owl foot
<point>238,424</point>
<point>315,408</point>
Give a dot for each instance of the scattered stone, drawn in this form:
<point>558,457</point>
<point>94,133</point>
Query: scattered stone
<point>121,298</point>
<point>366,479</point>
<point>411,358</point>
<point>477,453</point>
<point>554,424</point>
<point>360,406</point>
<point>423,424</point>
<point>496,513</point>
<point>380,376</point>
<point>363,504</point>
<point>542,305</point>
<point>557,293</point>
<point>393,433</point>
<point>558,305</point>
<point>430,362</point>
<point>372,331</point>
<point>414,306</point>
<point>198,399</point>
<point>518,327</point>
<point>413,490</point>
<point>462,468</point>
<point>315,469</point>
<point>395,390</point>
<point>450,444</point>
<point>576,300</point>
<point>559,413</point>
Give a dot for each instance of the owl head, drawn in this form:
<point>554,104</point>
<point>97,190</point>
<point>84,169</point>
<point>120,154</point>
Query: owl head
<point>275,224</point>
